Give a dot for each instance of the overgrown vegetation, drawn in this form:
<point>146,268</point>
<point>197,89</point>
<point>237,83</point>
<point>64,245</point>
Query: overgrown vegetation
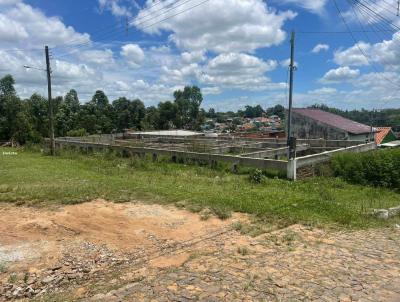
<point>33,178</point>
<point>377,168</point>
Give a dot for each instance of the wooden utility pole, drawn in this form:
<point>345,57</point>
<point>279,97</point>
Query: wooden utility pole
<point>291,70</point>
<point>398,8</point>
<point>51,121</point>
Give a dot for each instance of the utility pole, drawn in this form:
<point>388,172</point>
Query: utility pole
<point>398,8</point>
<point>51,121</point>
<point>371,137</point>
<point>290,142</point>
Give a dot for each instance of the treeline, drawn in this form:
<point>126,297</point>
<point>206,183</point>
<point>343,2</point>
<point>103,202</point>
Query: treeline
<point>27,120</point>
<point>248,112</point>
<point>378,118</point>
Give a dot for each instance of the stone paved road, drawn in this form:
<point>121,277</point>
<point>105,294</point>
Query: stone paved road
<point>292,264</point>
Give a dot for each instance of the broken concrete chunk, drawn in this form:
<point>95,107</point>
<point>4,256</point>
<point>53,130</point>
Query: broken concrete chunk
<point>381,213</point>
<point>394,211</point>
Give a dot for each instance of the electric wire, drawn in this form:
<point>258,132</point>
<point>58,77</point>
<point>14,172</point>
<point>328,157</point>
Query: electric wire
<point>152,24</point>
<point>116,24</point>
<point>142,19</point>
<point>359,48</point>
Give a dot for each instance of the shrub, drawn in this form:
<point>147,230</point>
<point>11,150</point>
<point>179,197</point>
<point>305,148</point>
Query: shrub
<point>256,176</point>
<point>377,168</point>
<point>77,133</point>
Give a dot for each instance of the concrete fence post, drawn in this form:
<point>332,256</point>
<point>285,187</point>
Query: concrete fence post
<point>292,169</point>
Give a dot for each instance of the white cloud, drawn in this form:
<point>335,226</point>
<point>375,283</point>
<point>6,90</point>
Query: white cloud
<point>323,91</point>
<point>386,53</point>
<point>340,74</point>
<point>219,25</point>
<point>133,54</point>
<point>211,90</point>
<point>356,55</point>
<point>96,56</point>
<point>36,29</point>
<point>193,57</point>
<point>11,30</point>
<point>9,2</point>
<point>319,47</point>
<point>315,6</point>
<point>115,7</point>
<point>237,70</point>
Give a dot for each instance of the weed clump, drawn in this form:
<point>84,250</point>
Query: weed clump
<point>243,250</point>
<point>256,176</point>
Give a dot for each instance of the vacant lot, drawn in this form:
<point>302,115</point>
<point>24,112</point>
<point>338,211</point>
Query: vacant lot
<point>34,179</point>
<point>161,238</point>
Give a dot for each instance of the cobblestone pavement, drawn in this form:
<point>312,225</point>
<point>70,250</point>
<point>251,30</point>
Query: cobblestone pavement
<point>102,251</point>
<point>292,264</point>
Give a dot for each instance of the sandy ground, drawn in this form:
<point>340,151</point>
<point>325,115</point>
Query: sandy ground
<point>102,251</point>
<point>32,237</point>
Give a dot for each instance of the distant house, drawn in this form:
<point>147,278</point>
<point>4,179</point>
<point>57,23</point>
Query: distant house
<point>384,135</point>
<point>315,123</point>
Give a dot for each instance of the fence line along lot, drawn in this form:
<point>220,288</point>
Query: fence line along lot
<point>266,154</point>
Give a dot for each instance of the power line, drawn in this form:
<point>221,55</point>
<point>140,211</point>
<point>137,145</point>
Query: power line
<point>21,49</point>
<point>373,25</point>
<point>358,46</point>
<point>377,14</point>
<point>116,25</point>
<point>376,4</point>
<point>342,32</point>
<point>152,24</point>
<point>117,28</point>
<point>110,33</point>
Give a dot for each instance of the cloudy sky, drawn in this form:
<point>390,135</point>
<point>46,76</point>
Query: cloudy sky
<point>236,50</point>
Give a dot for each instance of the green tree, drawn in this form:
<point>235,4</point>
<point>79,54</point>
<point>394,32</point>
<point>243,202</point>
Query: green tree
<point>67,116</point>
<point>129,114</point>
<point>151,118</point>
<point>167,112</point>
<point>37,109</point>
<point>14,122</point>
<point>187,104</point>
<point>97,116</point>
<point>252,112</point>
<point>7,86</point>
<point>278,110</point>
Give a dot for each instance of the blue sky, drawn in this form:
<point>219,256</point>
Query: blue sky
<point>235,50</point>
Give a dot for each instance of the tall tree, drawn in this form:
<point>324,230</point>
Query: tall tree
<point>188,104</point>
<point>129,114</point>
<point>167,115</point>
<point>37,109</point>
<point>68,114</point>
<point>7,86</point>
<point>14,124</point>
<point>97,116</point>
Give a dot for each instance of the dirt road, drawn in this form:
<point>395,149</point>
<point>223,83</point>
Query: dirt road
<point>102,251</point>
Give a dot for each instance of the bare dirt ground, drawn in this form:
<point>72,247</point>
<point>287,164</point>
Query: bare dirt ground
<point>101,251</point>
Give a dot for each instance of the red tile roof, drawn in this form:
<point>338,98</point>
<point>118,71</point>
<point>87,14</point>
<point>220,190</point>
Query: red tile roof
<point>334,120</point>
<point>380,136</point>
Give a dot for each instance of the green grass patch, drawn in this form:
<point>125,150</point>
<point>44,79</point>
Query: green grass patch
<point>33,178</point>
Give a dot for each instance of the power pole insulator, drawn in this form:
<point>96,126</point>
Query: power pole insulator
<point>51,121</point>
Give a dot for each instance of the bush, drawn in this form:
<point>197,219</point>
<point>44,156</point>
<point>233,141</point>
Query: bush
<point>256,176</point>
<point>377,168</point>
<point>77,133</point>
